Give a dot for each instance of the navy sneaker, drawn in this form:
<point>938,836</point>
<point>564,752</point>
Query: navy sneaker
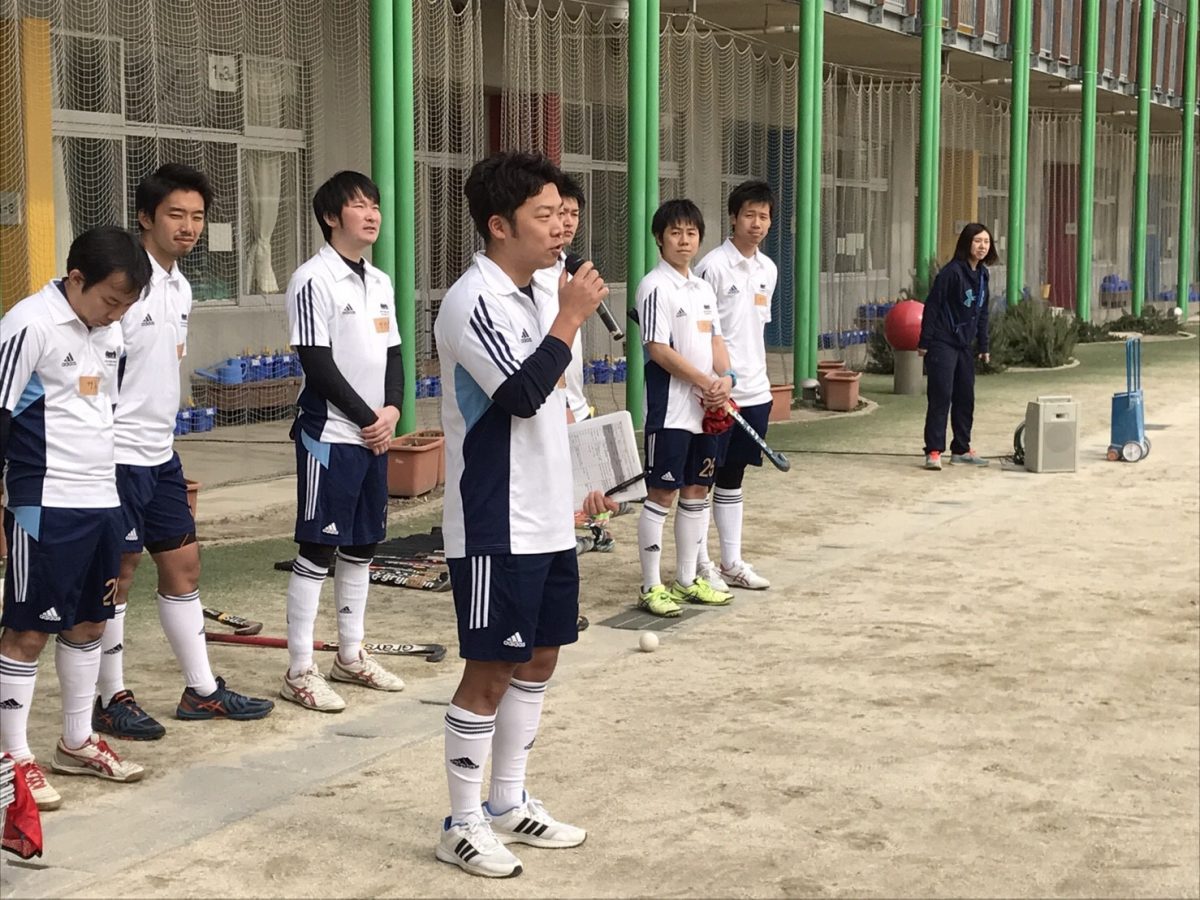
<point>221,704</point>
<point>124,719</point>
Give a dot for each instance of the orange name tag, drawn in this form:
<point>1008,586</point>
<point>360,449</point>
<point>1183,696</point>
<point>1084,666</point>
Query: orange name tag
<point>89,385</point>
<point>760,300</point>
<point>179,351</point>
<point>381,325</point>
<point>705,325</point>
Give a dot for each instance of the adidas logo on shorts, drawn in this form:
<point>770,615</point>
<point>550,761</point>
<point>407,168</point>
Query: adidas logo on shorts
<point>331,528</point>
<point>50,615</point>
<point>667,476</point>
<point>514,640</point>
<point>111,651</point>
<point>69,361</point>
<point>464,762</point>
<point>149,320</point>
<point>132,536</point>
<point>12,703</point>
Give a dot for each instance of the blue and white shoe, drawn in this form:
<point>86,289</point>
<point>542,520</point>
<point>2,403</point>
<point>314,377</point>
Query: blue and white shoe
<point>474,848</point>
<point>531,824</point>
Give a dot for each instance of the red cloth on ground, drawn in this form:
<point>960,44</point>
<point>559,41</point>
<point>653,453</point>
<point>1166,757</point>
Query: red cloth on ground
<point>22,823</point>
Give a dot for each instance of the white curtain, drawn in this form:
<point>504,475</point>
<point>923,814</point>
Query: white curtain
<point>64,231</point>
<point>264,176</point>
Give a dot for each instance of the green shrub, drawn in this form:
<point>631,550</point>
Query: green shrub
<point>1089,332</point>
<point>1032,334</point>
<point>880,358</point>
<point>1151,321</point>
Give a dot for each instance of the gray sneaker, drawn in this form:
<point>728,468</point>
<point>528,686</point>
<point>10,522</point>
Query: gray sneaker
<point>970,458</point>
<point>933,461</point>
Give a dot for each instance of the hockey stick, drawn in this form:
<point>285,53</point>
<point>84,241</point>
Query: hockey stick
<point>237,623</point>
<point>778,460</point>
<point>410,578</point>
<point>431,652</point>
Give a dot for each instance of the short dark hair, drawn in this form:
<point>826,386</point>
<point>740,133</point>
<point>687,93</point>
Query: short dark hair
<point>331,197</point>
<point>498,185</point>
<point>568,188</point>
<point>99,252</point>
<point>166,179</point>
<point>750,192</point>
<point>676,212</point>
<point>962,250</point>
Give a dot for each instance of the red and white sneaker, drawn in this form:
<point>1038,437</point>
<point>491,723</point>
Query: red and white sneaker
<point>94,758</point>
<point>312,691</point>
<point>367,672</point>
<point>44,795</point>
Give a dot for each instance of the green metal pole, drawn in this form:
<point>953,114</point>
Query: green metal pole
<point>818,111</point>
<point>383,159</point>
<point>653,49</point>
<point>635,181</point>
<point>1141,175</point>
<point>405,278</point>
<point>1187,180</point>
<point>803,354</point>
<point>1018,147</point>
<point>927,157</point>
<point>1087,162</point>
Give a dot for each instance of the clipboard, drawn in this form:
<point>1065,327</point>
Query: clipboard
<point>605,458</point>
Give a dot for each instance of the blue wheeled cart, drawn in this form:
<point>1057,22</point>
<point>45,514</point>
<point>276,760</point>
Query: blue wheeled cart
<point>1129,441</point>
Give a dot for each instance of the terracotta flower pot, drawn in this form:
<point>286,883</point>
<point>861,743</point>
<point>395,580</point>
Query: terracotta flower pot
<point>824,367</point>
<point>436,433</point>
<point>781,403</point>
<point>841,390</point>
<point>413,465</point>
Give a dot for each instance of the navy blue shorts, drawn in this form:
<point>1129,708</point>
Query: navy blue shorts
<point>341,493</point>
<point>675,457</point>
<point>154,504</point>
<point>507,604</point>
<point>63,566</point>
<point>737,447</point>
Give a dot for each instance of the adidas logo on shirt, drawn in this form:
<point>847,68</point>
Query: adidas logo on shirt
<point>349,310</point>
<point>514,640</point>
<point>113,651</point>
<point>464,762</point>
<point>50,615</point>
<point>110,354</point>
<point>149,320</point>
<point>682,314</point>
<point>132,536</point>
<point>69,361</point>
<point>525,338</point>
<point>12,703</point>
<point>732,290</point>
<point>331,528</point>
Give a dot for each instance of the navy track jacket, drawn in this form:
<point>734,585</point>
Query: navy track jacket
<point>956,310</point>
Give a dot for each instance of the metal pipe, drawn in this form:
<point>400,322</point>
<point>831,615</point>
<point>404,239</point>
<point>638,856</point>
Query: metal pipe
<point>635,264</point>
<point>818,111</point>
<point>1187,180</point>
<point>1141,173</point>
<point>653,49</point>
<point>927,157</point>
<point>803,332</point>
<point>404,279</point>
<point>383,159</point>
<point>1018,148</point>
<point>1087,162</point>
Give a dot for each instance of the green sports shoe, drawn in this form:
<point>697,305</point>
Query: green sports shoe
<point>700,591</point>
<point>659,602</point>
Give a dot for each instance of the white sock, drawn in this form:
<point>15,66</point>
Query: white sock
<point>303,597</point>
<point>727,510</point>
<point>351,580</point>
<point>517,720</point>
<point>77,666</point>
<point>650,532</point>
<point>468,744</point>
<point>16,695</point>
<point>702,559</point>
<point>182,620</point>
<point>112,657</point>
<point>689,531</point>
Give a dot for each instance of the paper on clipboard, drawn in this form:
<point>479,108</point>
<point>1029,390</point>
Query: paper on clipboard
<point>604,453</point>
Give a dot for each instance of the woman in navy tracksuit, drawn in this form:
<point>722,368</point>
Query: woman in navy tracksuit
<point>954,329</point>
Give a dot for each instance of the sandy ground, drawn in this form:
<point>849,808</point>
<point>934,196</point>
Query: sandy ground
<point>972,683</point>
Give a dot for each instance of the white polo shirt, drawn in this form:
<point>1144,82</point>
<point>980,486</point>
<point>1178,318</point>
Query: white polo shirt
<point>508,480</point>
<point>680,311</point>
<point>328,305</point>
<point>155,336</point>
<point>58,378</point>
<point>744,287</point>
<point>572,383</point>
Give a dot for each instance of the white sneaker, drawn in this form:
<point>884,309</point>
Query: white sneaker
<point>743,575</point>
<point>473,847</point>
<point>710,573</point>
<point>531,824</point>
<point>94,758</point>
<point>44,795</point>
<point>311,691</point>
<point>367,672</point>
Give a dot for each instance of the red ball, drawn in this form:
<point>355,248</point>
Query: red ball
<point>902,324</point>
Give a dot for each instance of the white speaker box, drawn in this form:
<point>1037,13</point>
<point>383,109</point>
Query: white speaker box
<point>1051,435</point>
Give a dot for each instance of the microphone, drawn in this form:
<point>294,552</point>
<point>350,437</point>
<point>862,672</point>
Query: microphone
<point>573,262</point>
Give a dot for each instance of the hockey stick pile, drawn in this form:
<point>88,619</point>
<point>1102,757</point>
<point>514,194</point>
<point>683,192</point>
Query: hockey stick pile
<point>420,571</point>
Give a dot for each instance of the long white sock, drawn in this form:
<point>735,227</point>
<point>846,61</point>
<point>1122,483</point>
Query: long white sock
<point>112,657</point>
<point>77,666</point>
<point>702,558</point>
<point>303,597</point>
<point>351,581</point>
<point>650,532</point>
<point>182,619</point>
<point>517,720</point>
<point>727,510</point>
<point>690,520</point>
<point>17,680</point>
<point>468,744</point>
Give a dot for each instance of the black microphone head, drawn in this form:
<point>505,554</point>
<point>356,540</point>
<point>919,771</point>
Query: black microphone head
<point>573,262</point>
